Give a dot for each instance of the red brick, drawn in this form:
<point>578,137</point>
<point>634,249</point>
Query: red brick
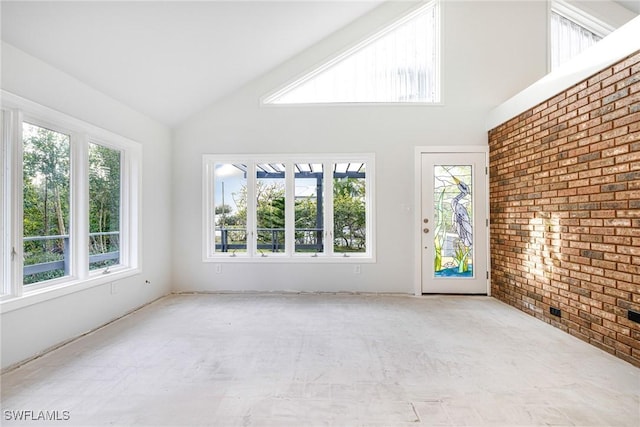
<point>565,197</point>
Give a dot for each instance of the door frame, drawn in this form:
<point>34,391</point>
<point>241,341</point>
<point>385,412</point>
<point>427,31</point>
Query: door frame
<point>417,228</point>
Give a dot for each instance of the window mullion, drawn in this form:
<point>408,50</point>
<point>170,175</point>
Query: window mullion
<point>328,208</point>
<point>127,211</point>
<point>290,220</point>
<point>79,239</point>
<point>370,208</point>
<point>131,215</point>
<point>252,240</point>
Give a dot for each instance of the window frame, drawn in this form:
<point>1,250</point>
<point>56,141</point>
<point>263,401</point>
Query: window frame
<point>209,254</point>
<point>578,17</point>
<point>267,100</point>
<point>74,142</point>
<point>16,111</point>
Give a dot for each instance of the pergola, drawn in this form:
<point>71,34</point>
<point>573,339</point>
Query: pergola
<point>306,171</point>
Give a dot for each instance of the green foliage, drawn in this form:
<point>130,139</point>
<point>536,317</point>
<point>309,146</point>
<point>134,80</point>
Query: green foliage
<point>46,198</point>
<point>40,277</point>
<point>270,213</point>
<point>349,215</point>
<point>306,218</point>
<point>104,202</point>
<point>223,209</point>
<point>104,189</point>
<point>462,257</point>
<point>306,209</point>
<point>46,195</point>
<point>45,181</point>
<point>33,214</point>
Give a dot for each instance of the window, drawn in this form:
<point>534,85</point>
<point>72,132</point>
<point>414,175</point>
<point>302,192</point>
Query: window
<point>271,214</point>
<point>70,202</point>
<point>288,207</point>
<point>309,210</point>
<point>572,31</point>
<point>397,64</point>
<point>104,206</point>
<point>229,224</point>
<point>349,208</point>
<point>46,196</point>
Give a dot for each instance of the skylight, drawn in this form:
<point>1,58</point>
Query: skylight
<point>399,64</point>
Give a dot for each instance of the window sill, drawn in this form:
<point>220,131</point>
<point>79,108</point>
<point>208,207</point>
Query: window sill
<point>296,259</point>
<point>421,104</point>
<point>30,297</point>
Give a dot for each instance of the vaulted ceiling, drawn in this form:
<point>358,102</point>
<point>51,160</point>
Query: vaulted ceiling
<point>171,59</point>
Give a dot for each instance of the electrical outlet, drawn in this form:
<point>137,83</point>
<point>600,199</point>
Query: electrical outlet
<point>218,268</point>
<point>356,269</point>
<point>634,316</point>
<point>114,288</point>
<point>555,311</point>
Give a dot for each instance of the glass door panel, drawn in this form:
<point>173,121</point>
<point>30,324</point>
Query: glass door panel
<point>453,230</point>
<point>453,225</point>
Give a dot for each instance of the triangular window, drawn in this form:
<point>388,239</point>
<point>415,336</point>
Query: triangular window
<point>398,64</point>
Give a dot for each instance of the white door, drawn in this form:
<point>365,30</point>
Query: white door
<point>454,223</point>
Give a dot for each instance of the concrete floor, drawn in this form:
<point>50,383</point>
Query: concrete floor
<point>341,360</point>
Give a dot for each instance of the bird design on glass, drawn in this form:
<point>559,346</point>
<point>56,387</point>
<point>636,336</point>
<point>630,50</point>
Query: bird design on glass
<point>461,219</point>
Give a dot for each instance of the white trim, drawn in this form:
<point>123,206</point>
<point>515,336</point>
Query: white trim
<point>207,199</point>
<point>5,250</point>
<point>252,238</point>
<point>10,229</point>
<point>580,17</point>
<point>357,104</point>
<point>487,183</point>
<point>16,211</point>
<point>79,222</point>
<point>417,194</point>
<point>64,122</point>
<point>290,208</point>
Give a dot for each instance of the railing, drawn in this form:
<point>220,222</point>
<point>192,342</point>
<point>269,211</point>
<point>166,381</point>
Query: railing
<point>312,241</point>
<point>64,263</point>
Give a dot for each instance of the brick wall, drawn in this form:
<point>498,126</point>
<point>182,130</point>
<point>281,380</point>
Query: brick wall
<point>565,209</point>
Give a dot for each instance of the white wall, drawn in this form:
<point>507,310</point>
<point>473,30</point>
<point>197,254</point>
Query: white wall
<point>491,50</point>
<point>30,330</point>
<point>623,42</point>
